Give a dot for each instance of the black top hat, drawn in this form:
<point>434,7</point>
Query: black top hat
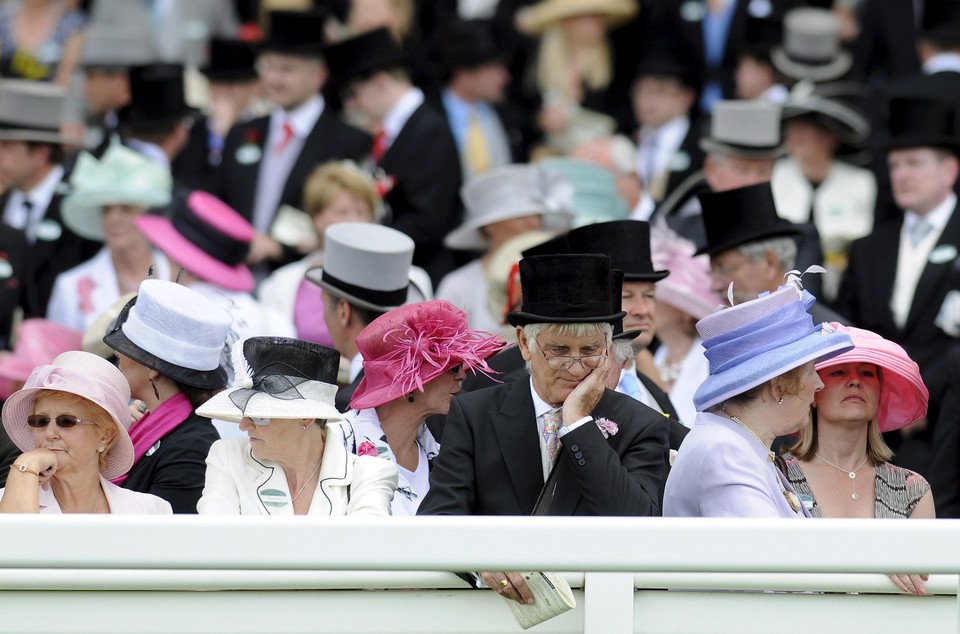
<point>466,44</point>
<point>364,54</point>
<point>563,289</point>
<point>760,35</point>
<point>738,216</point>
<point>296,33</point>
<point>156,96</point>
<point>231,61</point>
<point>666,60</point>
<point>625,242</point>
<point>554,246</point>
<point>923,121</point>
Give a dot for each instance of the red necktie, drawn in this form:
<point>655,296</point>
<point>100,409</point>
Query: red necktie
<point>379,147</point>
<point>287,134</point>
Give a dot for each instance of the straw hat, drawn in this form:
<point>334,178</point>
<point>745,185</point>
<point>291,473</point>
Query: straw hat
<point>89,377</point>
<point>903,396</point>
<point>535,19</point>
<point>279,377</point>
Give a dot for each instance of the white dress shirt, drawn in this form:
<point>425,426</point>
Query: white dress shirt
<point>15,213</point>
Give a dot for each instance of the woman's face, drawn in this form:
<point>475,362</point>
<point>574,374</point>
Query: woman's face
<point>345,207</point>
<point>277,441</point>
<point>438,392</point>
<point>796,407</point>
<point>137,375</point>
<point>851,393</point>
<point>585,29</point>
<point>75,447</point>
<point>119,232</point>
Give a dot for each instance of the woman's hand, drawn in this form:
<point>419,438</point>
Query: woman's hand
<point>138,409</point>
<point>911,584</point>
<point>43,461</point>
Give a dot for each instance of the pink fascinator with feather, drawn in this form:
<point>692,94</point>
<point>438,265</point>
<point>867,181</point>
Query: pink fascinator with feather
<point>409,346</point>
<point>688,288</point>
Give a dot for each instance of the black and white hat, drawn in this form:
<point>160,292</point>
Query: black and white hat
<point>745,129</point>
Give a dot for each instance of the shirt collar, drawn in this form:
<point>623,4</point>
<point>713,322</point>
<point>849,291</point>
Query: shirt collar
<point>540,406</point>
<point>401,111</point>
<point>938,218</point>
<point>41,195</point>
<point>942,62</point>
<point>302,118</point>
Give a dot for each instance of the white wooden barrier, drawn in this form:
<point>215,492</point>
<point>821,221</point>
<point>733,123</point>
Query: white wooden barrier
<point>208,574</point>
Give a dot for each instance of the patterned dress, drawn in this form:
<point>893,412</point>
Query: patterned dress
<point>898,490</point>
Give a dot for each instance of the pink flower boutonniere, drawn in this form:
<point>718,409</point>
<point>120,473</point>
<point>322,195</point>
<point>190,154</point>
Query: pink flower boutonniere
<point>607,427</point>
<point>367,448</point>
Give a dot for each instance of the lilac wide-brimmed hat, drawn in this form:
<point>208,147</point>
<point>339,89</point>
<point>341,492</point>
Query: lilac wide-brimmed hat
<point>756,341</point>
<point>408,347</point>
<point>91,378</point>
<point>903,396</point>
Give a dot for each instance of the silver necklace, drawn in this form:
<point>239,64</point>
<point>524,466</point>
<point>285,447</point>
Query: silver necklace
<point>850,474</point>
<point>306,482</point>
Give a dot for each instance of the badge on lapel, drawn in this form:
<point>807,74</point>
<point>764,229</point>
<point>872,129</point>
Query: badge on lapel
<point>6,269</point>
<point>249,151</point>
<point>943,253</point>
<point>693,11</point>
<point>274,498</point>
<point>680,161</point>
<point>760,8</point>
<point>49,230</point>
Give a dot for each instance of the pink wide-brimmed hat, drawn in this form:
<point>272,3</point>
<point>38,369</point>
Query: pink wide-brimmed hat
<point>408,347</point>
<point>39,341</point>
<point>688,287</point>
<point>903,396</point>
<point>88,376</point>
<point>207,237</point>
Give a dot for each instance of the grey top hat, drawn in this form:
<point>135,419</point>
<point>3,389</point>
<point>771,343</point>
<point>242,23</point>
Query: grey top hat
<point>104,47</point>
<point>366,264</point>
<point>745,129</point>
<point>811,46</point>
<point>32,111</point>
<point>503,193</point>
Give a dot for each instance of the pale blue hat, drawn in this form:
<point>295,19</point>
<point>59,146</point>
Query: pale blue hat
<point>595,195</point>
<point>756,341</point>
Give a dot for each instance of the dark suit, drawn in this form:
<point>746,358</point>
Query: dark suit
<point>424,202</point>
<point>192,168</point>
<point>490,462</point>
<point>864,297</point>
<point>14,276</point>
<point>677,431</point>
<point>177,470</point>
<point>8,453</point>
<point>345,394</point>
<point>944,476</point>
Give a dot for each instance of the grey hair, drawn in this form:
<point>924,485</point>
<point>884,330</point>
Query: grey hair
<point>784,249</point>
<point>622,351</point>
<point>576,329</point>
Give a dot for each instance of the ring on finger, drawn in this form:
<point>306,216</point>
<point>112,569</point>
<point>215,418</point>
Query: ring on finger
<point>504,583</point>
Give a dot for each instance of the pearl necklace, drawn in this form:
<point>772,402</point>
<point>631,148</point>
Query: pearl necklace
<point>770,455</point>
<point>850,474</point>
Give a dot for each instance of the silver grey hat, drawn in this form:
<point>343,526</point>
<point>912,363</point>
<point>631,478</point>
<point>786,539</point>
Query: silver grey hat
<point>811,46</point>
<point>32,111</point>
<point>119,34</point>
<point>745,129</point>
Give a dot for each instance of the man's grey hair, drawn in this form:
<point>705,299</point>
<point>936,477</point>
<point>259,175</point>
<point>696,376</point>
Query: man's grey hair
<point>577,329</point>
<point>784,248</point>
<point>622,351</point>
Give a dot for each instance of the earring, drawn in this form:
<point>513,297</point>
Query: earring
<point>410,398</point>
<point>100,449</point>
<point>303,427</point>
<point>155,391</point>
<point>780,402</point>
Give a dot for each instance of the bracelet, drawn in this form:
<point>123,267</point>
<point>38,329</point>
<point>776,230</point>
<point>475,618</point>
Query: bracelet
<point>22,468</point>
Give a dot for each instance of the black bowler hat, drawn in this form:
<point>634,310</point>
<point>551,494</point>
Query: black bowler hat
<point>923,121</point>
<point>156,96</point>
<point>362,55</point>
<point>466,44</point>
<point>625,242</point>
<point>296,33</point>
<point>739,216</point>
<point>231,61</point>
<point>564,289</point>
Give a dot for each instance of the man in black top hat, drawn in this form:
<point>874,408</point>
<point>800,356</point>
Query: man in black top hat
<point>902,280</point>
<point>414,153</point>
<point>266,161</point>
<point>157,121</point>
<point>605,452</point>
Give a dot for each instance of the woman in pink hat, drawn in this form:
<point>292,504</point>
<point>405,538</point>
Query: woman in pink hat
<point>414,359</point>
<point>840,466</point>
<point>70,420</point>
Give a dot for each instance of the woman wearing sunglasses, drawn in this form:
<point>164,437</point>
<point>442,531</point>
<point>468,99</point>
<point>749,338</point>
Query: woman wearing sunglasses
<point>414,359</point>
<point>294,461</point>
<point>70,420</point>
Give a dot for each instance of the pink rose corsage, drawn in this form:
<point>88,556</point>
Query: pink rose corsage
<point>367,448</point>
<point>607,427</point>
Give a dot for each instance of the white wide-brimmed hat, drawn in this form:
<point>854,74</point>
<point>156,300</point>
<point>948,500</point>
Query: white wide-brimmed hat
<point>366,264</point>
<point>91,378</point>
<point>533,20</point>
<point>121,177</point>
<point>505,193</point>
<point>32,111</point>
<point>279,377</point>
<point>811,46</point>
<point>745,129</point>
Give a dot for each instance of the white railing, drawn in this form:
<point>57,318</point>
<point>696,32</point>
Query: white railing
<point>207,574</point>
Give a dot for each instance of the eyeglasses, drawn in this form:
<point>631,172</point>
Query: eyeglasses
<point>64,421</point>
<point>721,271</point>
<point>589,362</point>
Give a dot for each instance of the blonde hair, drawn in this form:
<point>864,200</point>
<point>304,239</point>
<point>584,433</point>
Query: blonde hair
<point>807,444</point>
<point>554,63</point>
<point>329,179</point>
<point>104,422</point>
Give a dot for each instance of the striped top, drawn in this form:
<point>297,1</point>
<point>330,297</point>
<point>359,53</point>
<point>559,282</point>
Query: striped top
<point>898,490</point>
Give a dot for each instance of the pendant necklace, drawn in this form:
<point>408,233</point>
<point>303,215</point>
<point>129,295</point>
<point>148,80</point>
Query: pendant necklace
<point>306,482</point>
<point>850,474</point>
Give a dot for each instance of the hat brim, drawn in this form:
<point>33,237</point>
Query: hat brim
<point>909,141</point>
<point>851,127</point>
<point>787,230</point>
<point>263,405</point>
<point>711,146</point>
<point>535,19</point>
<point>204,379</point>
<point>20,405</point>
<point>521,318</point>
<point>38,136</point>
<point>81,210</point>
<point>653,276</point>
<point>768,365</point>
<point>814,72</point>
<point>315,275</point>
<point>628,335</point>
<point>230,75</point>
<point>160,232</point>
<point>468,237</point>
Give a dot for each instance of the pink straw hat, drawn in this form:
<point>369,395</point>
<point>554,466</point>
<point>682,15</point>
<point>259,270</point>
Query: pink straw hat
<point>409,346</point>
<point>88,376</point>
<point>903,396</point>
<point>207,237</point>
<point>688,288</point>
<point>38,343</point>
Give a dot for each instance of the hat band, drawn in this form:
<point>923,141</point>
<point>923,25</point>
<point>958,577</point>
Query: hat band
<point>218,245</point>
<point>284,387</point>
<point>745,148</point>
<point>810,61</point>
<point>380,298</point>
<point>10,125</point>
<point>172,349</point>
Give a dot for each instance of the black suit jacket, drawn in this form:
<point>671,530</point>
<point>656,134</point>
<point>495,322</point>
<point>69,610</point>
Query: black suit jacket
<point>424,202</point>
<point>236,182</point>
<point>344,394</point>
<point>944,473</point>
<point>177,470</point>
<point>192,168</point>
<point>490,461</point>
<point>14,277</point>
<point>677,431</point>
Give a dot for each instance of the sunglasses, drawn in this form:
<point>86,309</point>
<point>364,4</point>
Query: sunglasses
<point>64,421</point>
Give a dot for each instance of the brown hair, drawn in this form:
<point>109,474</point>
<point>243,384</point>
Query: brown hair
<point>790,381</point>
<point>101,418</point>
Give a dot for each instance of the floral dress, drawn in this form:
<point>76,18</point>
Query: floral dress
<point>40,64</point>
